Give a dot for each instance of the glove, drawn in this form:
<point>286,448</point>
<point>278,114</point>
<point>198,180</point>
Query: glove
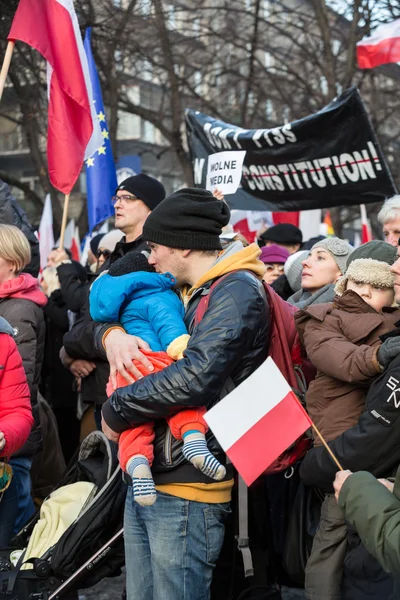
<point>388,351</point>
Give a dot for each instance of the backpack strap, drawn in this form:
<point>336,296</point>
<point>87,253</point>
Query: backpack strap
<point>243,537</point>
<point>243,496</point>
<point>205,300</point>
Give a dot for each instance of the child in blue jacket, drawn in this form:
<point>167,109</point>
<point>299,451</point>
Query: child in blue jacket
<point>143,301</point>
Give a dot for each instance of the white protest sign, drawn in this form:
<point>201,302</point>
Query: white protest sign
<point>225,171</point>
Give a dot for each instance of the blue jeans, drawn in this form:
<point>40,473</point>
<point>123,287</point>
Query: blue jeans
<point>8,513</point>
<point>171,548</point>
<point>21,466</point>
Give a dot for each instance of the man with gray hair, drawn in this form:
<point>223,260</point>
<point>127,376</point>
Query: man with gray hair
<point>389,217</point>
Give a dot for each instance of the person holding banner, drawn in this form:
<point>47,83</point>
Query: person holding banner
<point>173,545</point>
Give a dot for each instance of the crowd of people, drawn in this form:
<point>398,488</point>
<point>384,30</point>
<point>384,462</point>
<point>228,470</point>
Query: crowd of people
<point>168,317</point>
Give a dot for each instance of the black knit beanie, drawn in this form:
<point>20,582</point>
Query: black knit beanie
<point>95,241</point>
<point>130,263</point>
<point>190,218</point>
<point>145,188</point>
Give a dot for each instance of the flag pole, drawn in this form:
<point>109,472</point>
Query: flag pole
<point>64,221</point>
<point>319,434</point>
<point>6,66</point>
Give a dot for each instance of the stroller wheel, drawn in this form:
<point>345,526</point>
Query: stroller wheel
<point>41,568</point>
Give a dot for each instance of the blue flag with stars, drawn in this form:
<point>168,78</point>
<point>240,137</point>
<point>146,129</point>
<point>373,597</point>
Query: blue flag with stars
<point>100,168</point>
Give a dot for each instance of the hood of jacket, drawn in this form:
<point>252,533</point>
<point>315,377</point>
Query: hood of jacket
<point>233,258</point>
<point>141,283</point>
<point>25,287</point>
<point>5,327</point>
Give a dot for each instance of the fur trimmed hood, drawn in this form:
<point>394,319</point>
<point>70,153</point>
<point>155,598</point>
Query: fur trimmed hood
<point>366,270</point>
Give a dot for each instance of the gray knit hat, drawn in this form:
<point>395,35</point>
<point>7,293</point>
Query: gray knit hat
<point>293,269</point>
<point>338,249</point>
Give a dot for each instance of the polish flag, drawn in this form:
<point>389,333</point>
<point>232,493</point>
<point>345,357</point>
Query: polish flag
<point>382,47</point>
<point>366,234</point>
<point>258,421</point>
<point>76,245</point>
<point>51,27</point>
<point>46,234</point>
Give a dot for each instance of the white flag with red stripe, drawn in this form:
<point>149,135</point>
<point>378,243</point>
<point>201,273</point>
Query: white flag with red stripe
<point>381,48</point>
<point>46,233</point>
<point>366,233</point>
<point>73,134</point>
<point>258,421</point>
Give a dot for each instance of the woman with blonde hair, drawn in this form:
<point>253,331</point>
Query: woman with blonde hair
<point>21,302</point>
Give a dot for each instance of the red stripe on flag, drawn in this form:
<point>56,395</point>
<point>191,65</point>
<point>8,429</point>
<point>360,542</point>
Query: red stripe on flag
<point>47,26</point>
<point>373,55</point>
<point>268,438</point>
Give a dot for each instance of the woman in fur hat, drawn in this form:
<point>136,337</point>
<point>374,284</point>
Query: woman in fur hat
<point>342,339</point>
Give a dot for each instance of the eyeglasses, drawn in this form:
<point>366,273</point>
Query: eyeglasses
<point>105,253</point>
<point>124,198</point>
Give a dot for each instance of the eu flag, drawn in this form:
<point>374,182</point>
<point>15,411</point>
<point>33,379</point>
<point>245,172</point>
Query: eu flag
<point>100,168</point>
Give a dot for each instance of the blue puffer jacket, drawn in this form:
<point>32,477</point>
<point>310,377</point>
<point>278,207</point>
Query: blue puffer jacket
<point>143,303</point>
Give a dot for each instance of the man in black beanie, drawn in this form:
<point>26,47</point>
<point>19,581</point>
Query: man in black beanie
<point>172,546</point>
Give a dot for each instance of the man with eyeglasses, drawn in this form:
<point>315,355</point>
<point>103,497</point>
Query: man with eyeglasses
<point>134,200</point>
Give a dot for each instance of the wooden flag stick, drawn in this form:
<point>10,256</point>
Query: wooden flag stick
<point>327,447</point>
<point>6,66</point>
<point>64,221</point>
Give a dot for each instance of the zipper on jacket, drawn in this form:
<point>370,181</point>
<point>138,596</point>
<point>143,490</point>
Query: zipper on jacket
<point>168,447</point>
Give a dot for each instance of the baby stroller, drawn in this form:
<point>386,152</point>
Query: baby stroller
<point>89,549</point>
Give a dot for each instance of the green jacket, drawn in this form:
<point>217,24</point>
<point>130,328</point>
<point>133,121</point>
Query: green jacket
<point>375,513</point>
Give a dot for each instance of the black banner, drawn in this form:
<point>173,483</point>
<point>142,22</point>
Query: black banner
<point>331,158</point>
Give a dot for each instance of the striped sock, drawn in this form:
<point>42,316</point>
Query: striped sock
<point>144,490</point>
<point>195,450</point>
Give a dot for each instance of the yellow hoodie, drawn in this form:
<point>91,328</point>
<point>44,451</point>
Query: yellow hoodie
<point>247,259</point>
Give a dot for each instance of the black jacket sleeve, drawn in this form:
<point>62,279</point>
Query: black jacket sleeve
<point>73,283</point>
<point>235,321</point>
<point>79,342</point>
<point>371,445</point>
<point>56,310</point>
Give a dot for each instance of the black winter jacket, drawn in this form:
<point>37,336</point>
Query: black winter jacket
<point>73,282</point>
<point>12,214</point>
<point>58,384</point>
<point>371,445</point>
<point>229,344</point>
<point>27,319</point>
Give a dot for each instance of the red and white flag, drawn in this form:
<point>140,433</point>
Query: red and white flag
<point>258,421</point>
<point>382,47</point>
<point>366,234</point>
<point>73,134</point>
<point>76,245</point>
<point>46,233</point>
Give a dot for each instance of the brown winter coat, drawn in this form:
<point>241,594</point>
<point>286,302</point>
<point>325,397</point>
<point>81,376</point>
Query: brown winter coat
<point>341,340</point>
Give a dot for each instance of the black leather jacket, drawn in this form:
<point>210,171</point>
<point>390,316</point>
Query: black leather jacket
<point>228,344</point>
